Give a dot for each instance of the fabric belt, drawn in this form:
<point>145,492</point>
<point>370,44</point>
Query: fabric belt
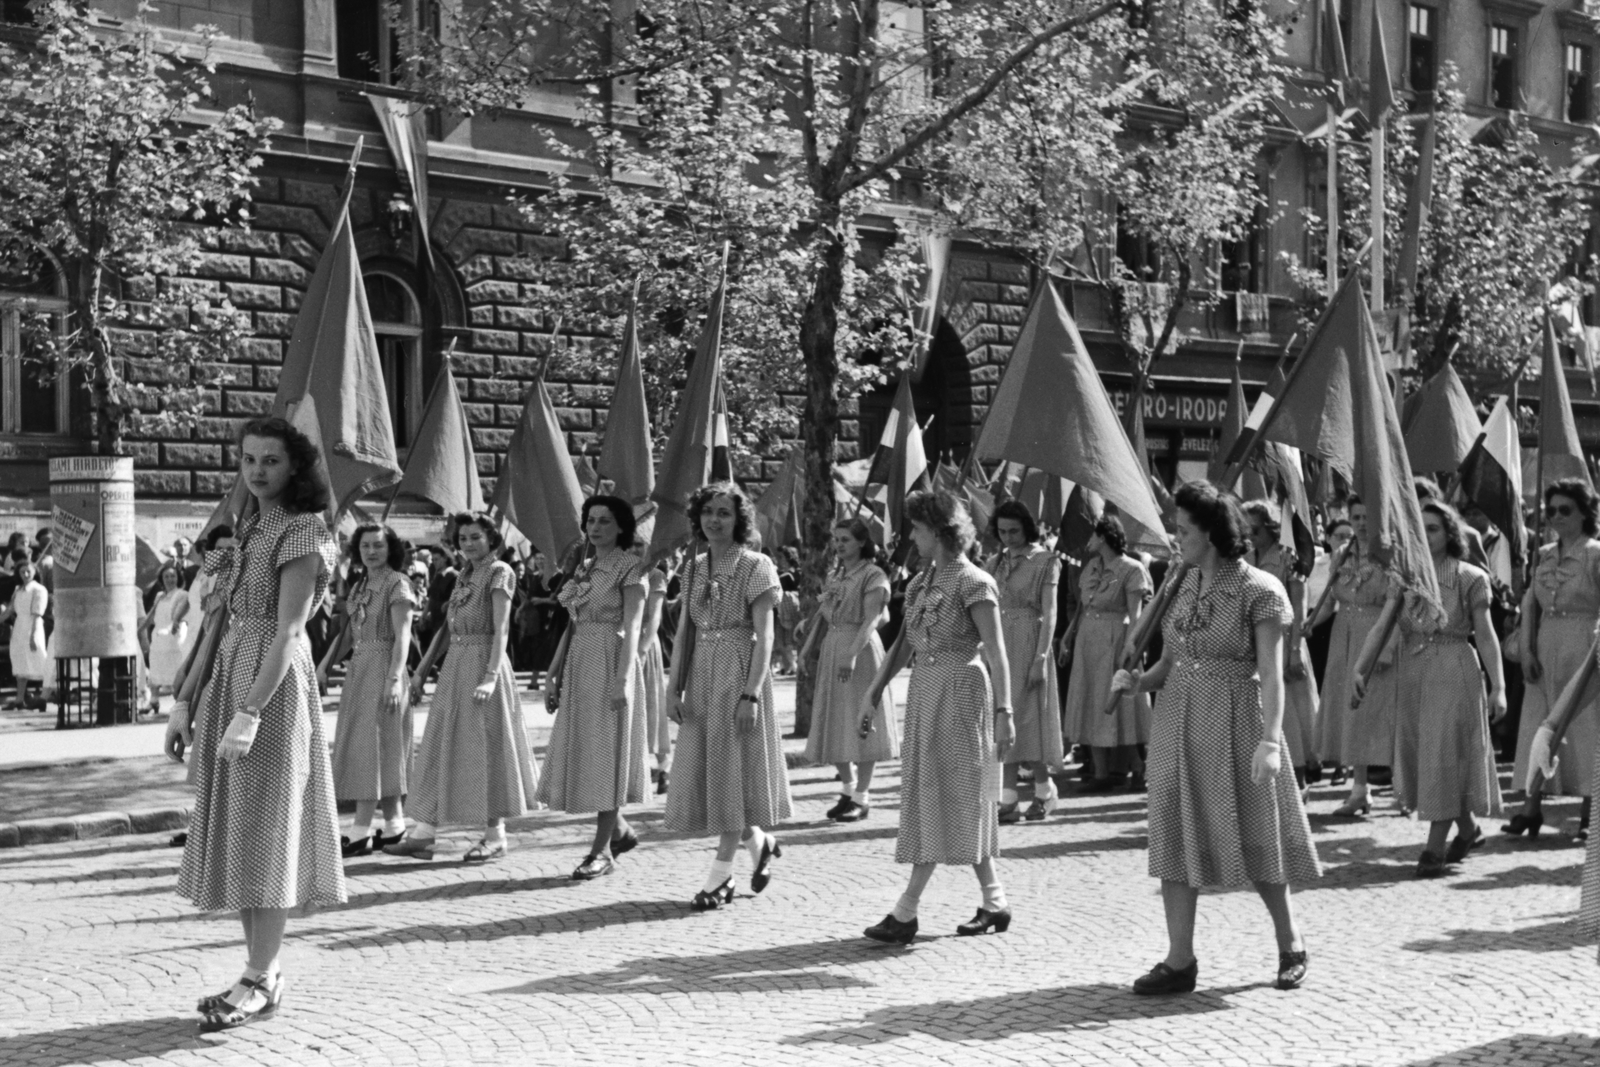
<point>1239,670</point>
<point>729,633</point>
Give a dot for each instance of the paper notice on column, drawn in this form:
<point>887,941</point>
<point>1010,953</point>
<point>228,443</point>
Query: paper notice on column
<point>71,538</point>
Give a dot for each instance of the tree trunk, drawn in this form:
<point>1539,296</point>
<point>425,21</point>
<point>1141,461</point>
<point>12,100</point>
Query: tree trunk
<point>819,429</point>
<point>86,313</point>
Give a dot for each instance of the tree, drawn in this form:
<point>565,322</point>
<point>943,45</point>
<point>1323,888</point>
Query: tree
<point>776,124</point>
<point>106,175</point>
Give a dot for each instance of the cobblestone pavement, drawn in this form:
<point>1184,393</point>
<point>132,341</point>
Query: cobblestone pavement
<point>513,963</point>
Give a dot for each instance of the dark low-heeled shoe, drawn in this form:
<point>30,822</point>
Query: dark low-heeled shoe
<point>1162,979</point>
<point>704,901</point>
<point>1520,824</point>
<point>1292,969</point>
<point>1431,865</point>
<point>1458,849</point>
<point>770,850</point>
<point>361,846</point>
<point>839,806</point>
<point>1009,814</point>
<point>854,813</point>
<point>224,1016</point>
<point>625,843</point>
<point>892,931</point>
<point>984,921</point>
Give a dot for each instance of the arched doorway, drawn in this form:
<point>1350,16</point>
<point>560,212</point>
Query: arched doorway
<point>943,393</point>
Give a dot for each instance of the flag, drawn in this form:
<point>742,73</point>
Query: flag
<point>538,490</point>
<point>1334,60</point>
<point>1045,496</point>
<point>1084,508</point>
<point>1257,417</point>
<point>1418,205</point>
<point>442,467</point>
<point>625,453</point>
<point>1380,82</point>
<point>1491,477</point>
<point>900,464</point>
<point>721,464</point>
<point>1440,424</point>
<point>408,142</point>
<point>778,510</point>
<point>1285,485</point>
<point>1232,428</point>
<point>1337,406</point>
<point>935,259</point>
<point>947,476</point>
<point>1052,412</point>
<point>686,460</point>
<point>331,385</point>
<point>1560,453</point>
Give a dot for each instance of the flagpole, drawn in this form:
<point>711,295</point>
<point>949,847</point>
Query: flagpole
<point>1375,297</point>
<point>349,181</point>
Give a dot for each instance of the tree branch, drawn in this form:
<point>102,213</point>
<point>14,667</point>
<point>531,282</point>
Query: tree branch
<point>879,167</point>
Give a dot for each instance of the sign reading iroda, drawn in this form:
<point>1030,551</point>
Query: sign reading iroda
<point>1189,409</point>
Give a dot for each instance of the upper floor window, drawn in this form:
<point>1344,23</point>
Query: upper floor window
<point>1138,253</point>
<point>1503,67</point>
<point>369,46</point>
<point>397,320</point>
<point>33,398</point>
<point>1421,29</point>
<point>1579,103</point>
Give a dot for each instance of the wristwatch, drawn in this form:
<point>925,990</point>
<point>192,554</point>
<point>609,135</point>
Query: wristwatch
<point>750,697</point>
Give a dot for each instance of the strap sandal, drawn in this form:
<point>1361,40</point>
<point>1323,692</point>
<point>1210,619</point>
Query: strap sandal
<point>227,1016</point>
<point>483,852</point>
<point>715,899</point>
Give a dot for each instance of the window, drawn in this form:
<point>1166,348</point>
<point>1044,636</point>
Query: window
<point>1137,252</point>
<point>1580,83</point>
<point>32,400</point>
<point>398,323</point>
<point>1242,263</point>
<point>1345,28</point>
<point>1503,67</point>
<point>1420,30</point>
<point>369,47</point>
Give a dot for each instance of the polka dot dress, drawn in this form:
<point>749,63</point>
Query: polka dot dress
<point>722,779</point>
<point>1210,825</point>
<point>371,743</point>
<point>1108,592</point>
<point>1024,581</point>
<point>949,779</point>
<point>1567,585</point>
<point>596,758</point>
<point>1357,736</point>
<point>265,832</point>
<point>474,764</point>
<point>1299,694</point>
<point>837,707</point>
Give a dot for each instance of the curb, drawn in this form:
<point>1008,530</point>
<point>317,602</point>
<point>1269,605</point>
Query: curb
<point>91,825</point>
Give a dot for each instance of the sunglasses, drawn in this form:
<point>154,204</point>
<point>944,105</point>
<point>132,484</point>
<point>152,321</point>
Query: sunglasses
<point>1564,510</point>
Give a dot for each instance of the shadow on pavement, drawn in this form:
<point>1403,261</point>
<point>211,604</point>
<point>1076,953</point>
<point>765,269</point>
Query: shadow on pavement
<point>1133,841</point>
<point>1518,1048</point>
<point>1000,1017</point>
<point>116,1042</point>
<point>577,921</point>
<point>1559,936</point>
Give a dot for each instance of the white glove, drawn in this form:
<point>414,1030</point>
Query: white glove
<point>1125,681</point>
<point>1541,758</point>
<point>1266,763</point>
<point>239,736</point>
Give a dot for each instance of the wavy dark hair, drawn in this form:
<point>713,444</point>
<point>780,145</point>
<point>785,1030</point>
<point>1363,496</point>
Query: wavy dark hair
<point>1577,491</point>
<point>397,547</point>
<point>863,534</point>
<point>208,540</point>
<point>1266,514</point>
<point>621,510</point>
<point>1219,514</point>
<point>1455,541</point>
<point>482,521</point>
<point>1109,529</point>
<point>946,514</point>
<point>743,511</point>
<point>177,572</point>
<point>1016,511</point>
<point>308,490</point>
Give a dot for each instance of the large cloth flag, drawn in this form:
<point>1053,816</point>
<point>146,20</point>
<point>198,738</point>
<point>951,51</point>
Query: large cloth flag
<point>935,261</point>
<point>778,510</point>
<point>721,460</point>
<point>1338,66</point>
<point>1441,425</point>
<point>1418,205</point>
<point>625,453</point>
<point>1232,427</point>
<point>1051,412</point>
<point>1491,477</point>
<point>1560,453</point>
<point>403,128</point>
<point>686,460</point>
<point>1380,82</point>
<point>900,463</point>
<point>538,490</point>
<point>442,466</point>
<point>1337,406</point>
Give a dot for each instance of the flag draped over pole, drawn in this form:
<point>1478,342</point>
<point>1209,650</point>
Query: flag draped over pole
<point>1051,412</point>
<point>1381,87</point>
<point>1337,406</point>
<point>900,463</point>
<point>778,509</point>
<point>625,453</point>
<point>408,143</point>
<point>1232,427</point>
<point>686,460</point>
<point>442,466</point>
<point>1560,452</point>
<point>935,260</point>
<point>1441,426</point>
<point>1339,77</point>
<point>721,461</point>
<point>1418,205</point>
<point>1491,477</point>
<point>538,490</point>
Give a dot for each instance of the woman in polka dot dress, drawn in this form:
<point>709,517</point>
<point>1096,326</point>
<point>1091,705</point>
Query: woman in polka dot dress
<point>1026,575</point>
<point>372,741</point>
<point>1299,685</point>
<point>729,777</point>
<point>596,759</point>
<point>1221,811</point>
<point>1444,762</point>
<point>957,719</point>
<point>474,765</point>
<point>855,602</point>
<point>264,836</point>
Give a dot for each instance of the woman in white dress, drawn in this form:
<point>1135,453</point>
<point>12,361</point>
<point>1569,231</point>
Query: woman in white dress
<point>166,629</point>
<point>29,660</point>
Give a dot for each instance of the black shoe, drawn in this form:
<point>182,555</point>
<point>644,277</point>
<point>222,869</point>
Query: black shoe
<point>1291,969</point>
<point>661,783</point>
<point>1531,824</point>
<point>1431,865</point>
<point>1163,979</point>
<point>595,865</point>
<point>359,847</point>
<point>1009,814</point>
<point>179,839</point>
<point>762,877</point>
<point>624,843</point>
<point>1462,845</point>
<point>892,931</point>
<point>984,921</point>
<point>842,805</point>
<point>379,841</point>
<point>715,899</point>
<point>1036,811</point>
<point>224,1016</point>
<point>854,813</point>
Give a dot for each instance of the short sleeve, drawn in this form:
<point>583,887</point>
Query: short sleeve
<point>875,580</point>
<point>306,535</point>
<point>1052,569</point>
<point>1474,587</point>
<point>502,579</point>
<point>763,578</point>
<point>400,592</point>
<point>632,573</point>
<point>1137,581</point>
<point>977,587</point>
<point>41,600</point>
<point>1265,600</point>
<point>655,582</point>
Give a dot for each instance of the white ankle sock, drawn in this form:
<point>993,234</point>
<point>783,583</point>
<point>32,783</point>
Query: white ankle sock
<point>391,827</point>
<point>994,897</point>
<point>754,843</point>
<point>423,831</point>
<point>1008,796</point>
<point>721,871</point>
<point>860,797</point>
<point>905,909</point>
<point>1045,791</point>
<point>360,832</point>
<point>495,835</point>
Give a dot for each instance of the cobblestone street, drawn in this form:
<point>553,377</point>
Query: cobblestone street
<point>435,963</point>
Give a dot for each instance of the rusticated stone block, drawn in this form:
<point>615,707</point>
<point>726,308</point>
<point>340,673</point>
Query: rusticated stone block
<point>242,403</point>
<point>191,455</point>
<point>496,340</point>
<point>250,295</point>
<point>160,483</point>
